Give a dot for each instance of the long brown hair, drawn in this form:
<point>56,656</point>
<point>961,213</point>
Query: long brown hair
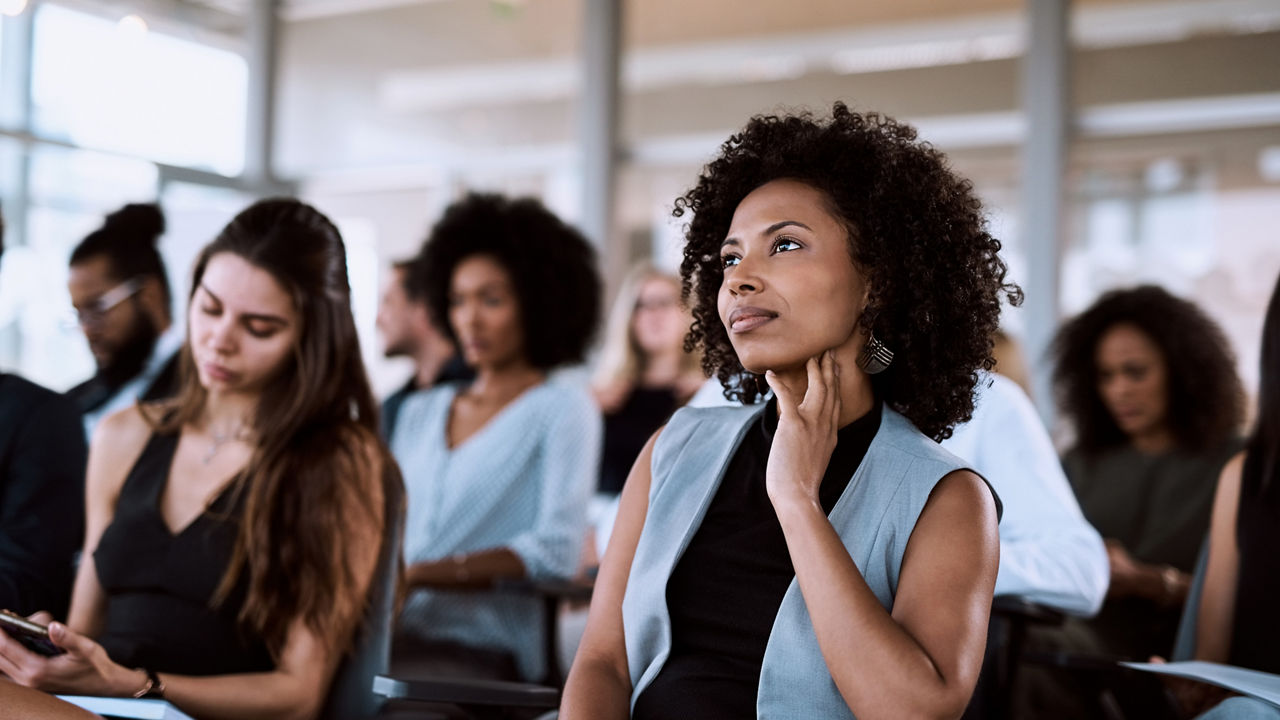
<point>315,424</point>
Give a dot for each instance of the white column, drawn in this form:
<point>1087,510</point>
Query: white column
<point>1046,87</point>
<point>598,125</point>
<point>16,116</point>
<point>262,35</point>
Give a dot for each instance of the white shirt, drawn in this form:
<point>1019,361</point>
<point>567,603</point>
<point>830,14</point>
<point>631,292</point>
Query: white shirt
<point>1048,552</point>
<point>169,342</point>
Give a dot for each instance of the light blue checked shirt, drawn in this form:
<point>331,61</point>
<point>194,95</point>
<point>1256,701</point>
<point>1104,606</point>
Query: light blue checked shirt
<point>521,482</point>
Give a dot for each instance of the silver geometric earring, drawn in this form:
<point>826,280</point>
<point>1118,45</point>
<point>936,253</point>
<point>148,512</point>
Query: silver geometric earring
<point>874,357</point>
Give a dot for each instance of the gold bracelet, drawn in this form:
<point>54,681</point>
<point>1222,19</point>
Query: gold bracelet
<point>1169,578</point>
<point>154,687</point>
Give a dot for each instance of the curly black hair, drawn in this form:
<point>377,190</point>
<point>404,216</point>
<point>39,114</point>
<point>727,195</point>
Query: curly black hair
<point>552,267</point>
<point>1205,397</point>
<point>916,232</point>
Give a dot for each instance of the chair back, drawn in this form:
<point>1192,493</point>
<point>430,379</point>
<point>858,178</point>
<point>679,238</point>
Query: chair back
<point>1184,643</point>
<point>351,695</point>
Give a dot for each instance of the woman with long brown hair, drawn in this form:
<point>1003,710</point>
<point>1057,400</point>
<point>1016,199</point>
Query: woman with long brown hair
<point>232,534</point>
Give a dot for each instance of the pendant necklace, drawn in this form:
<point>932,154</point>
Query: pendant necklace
<point>220,439</point>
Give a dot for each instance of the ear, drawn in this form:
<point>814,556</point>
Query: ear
<point>153,301</point>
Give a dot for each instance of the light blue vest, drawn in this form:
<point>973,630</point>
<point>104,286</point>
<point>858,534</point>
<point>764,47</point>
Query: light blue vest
<point>874,517</point>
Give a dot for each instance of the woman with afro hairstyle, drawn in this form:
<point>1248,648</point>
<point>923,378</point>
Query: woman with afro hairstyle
<point>818,555</point>
<point>499,469</point>
<point>1148,382</point>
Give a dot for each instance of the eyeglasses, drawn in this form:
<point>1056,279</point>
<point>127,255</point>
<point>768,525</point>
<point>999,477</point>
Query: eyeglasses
<point>662,303</point>
<point>96,312</point>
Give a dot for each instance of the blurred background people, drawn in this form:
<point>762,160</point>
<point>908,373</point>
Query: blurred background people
<point>407,330</point>
<point>233,531</point>
<point>499,470</point>
<point>1149,384</point>
<point>1010,360</point>
<point>642,376</point>
<point>42,462</point>
<point>1048,551</point>
<point>122,301</point>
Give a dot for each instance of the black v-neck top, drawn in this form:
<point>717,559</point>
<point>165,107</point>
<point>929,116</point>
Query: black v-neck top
<point>1255,632</point>
<point>160,585</point>
<point>725,590</point>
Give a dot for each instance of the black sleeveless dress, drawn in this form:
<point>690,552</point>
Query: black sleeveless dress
<point>160,585</point>
<point>1255,637</point>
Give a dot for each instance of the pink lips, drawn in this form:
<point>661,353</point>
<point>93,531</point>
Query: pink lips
<point>746,319</point>
<point>219,373</point>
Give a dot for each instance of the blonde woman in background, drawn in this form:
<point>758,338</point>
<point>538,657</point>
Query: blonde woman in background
<point>644,375</point>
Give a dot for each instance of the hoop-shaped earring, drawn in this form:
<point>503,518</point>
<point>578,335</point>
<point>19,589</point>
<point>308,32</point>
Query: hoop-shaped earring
<point>874,357</point>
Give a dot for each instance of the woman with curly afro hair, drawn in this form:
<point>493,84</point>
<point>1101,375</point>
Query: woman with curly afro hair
<point>818,555</point>
<point>1149,384</point>
<point>499,470</point>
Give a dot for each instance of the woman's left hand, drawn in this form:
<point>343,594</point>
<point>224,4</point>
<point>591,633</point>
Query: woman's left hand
<point>806,436</point>
<point>84,669</point>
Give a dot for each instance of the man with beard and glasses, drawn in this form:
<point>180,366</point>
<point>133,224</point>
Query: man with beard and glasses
<point>121,298</point>
<point>42,465</point>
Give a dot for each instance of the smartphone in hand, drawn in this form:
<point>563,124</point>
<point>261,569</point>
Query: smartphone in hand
<point>32,635</point>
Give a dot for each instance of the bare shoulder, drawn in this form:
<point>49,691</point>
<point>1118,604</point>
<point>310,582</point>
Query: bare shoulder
<point>961,496</point>
<point>1227,495</point>
<point>122,429</point>
<point>1232,471</point>
<point>117,442</point>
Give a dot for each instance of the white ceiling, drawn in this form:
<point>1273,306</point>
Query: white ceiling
<point>312,9</point>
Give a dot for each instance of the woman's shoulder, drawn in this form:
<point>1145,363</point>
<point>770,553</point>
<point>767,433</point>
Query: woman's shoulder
<point>123,432</point>
<point>421,405</point>
<point>564,394</point>
<point>707,426</point>
<point>899,435</point>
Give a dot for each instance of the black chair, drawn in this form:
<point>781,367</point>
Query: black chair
<point>553,594</point>
<point>1123,693</point>
<point>1011,615</point>
<point>460,699</point>
<point>446,699</point>
<point>351,693</point>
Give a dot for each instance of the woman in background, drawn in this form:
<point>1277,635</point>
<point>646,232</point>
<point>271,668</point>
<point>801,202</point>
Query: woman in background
<point>232,533</point>
<point>644,374</point>
<point>500,469</point>
<point>1148,381</point>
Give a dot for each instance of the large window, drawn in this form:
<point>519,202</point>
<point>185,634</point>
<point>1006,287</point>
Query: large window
<point>70,193</point>
<point>98,84</point>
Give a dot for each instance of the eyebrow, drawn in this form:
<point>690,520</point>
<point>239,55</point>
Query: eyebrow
<point>769,231</point>
<point>247,316</point>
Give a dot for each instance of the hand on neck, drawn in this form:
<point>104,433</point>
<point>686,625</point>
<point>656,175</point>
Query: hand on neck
<point>856,395</point>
